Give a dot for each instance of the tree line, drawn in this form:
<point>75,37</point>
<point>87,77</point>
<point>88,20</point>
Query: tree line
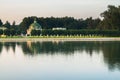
<point>110,22</point>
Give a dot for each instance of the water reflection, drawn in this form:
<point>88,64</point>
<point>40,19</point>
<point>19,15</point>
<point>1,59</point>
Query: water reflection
<point>31,48</point>
<point>110,50</point>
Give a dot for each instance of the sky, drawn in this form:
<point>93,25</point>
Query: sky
<point>16,10</point>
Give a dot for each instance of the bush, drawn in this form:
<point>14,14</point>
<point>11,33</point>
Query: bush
<point>108,33</point>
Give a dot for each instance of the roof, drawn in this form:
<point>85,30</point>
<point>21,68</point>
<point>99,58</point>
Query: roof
<point>36,26</point>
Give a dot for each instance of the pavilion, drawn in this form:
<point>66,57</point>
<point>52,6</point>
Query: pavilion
<point>33,26</point>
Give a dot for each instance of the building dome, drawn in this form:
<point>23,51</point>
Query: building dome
<point>35,26</point>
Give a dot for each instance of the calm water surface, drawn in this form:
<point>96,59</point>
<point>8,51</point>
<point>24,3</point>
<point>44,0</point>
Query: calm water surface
<point>59,60</point>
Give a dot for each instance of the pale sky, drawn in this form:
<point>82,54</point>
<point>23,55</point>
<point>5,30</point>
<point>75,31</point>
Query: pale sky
<point>18,9</point>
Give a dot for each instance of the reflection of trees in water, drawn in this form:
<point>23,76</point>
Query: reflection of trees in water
<point>32,48</point>
<point>111,54</point>
<point>47,48</point>
<point>1,47</point>
<point>7,46</point>
<point>61,47</point>
<point>110,49</point>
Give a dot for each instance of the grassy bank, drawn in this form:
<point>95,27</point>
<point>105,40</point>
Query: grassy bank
<point>89,36</point>
<point>57,38</point>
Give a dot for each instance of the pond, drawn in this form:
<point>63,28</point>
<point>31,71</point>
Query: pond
<point>58,60</point>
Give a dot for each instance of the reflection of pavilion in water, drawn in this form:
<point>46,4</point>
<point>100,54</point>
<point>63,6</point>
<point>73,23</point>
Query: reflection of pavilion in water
<point>110,50</point>
<point>57,41</point>
<point>29,44</point>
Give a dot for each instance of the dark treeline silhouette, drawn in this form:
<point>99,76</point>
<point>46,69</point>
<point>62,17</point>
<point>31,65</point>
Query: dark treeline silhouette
<point>109,50</point>
<point>111,18</point>
<point>110,22</point>
<point>64,22</point>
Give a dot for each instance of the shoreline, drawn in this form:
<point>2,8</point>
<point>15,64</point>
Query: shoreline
<point>56,39</point>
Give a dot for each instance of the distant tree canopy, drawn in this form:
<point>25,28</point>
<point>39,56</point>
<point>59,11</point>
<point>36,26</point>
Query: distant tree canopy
<point>7,24</point>
<point>64,22</point>
<point>13,26</point>
<point>92,23</point>
<point>111,18</point>
<point>51,22</point>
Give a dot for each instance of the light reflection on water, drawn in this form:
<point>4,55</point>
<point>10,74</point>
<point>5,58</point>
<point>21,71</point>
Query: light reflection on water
<point>59,61</point>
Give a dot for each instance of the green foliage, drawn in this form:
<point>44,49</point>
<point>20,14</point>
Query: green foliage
<point>10,32</point>
<point>92,23</point>
<point>18,32</point>
<point>1,23</point>
<point>52,22</point>
<point>81,33</point>
<point>7,24</point>
<point>13,26</point>
<point>36,32</point>
<point>111,18</point>
<point>7,32</point>
<point>24,25</point>
<point>1,32</point>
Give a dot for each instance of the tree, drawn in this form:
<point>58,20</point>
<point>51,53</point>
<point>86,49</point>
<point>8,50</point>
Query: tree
<point>92,23</point>
<point>13,24</point>
<point>7,24</point>
<point>1,23</point>
<point>27,21</point>
<point>111,18</point>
